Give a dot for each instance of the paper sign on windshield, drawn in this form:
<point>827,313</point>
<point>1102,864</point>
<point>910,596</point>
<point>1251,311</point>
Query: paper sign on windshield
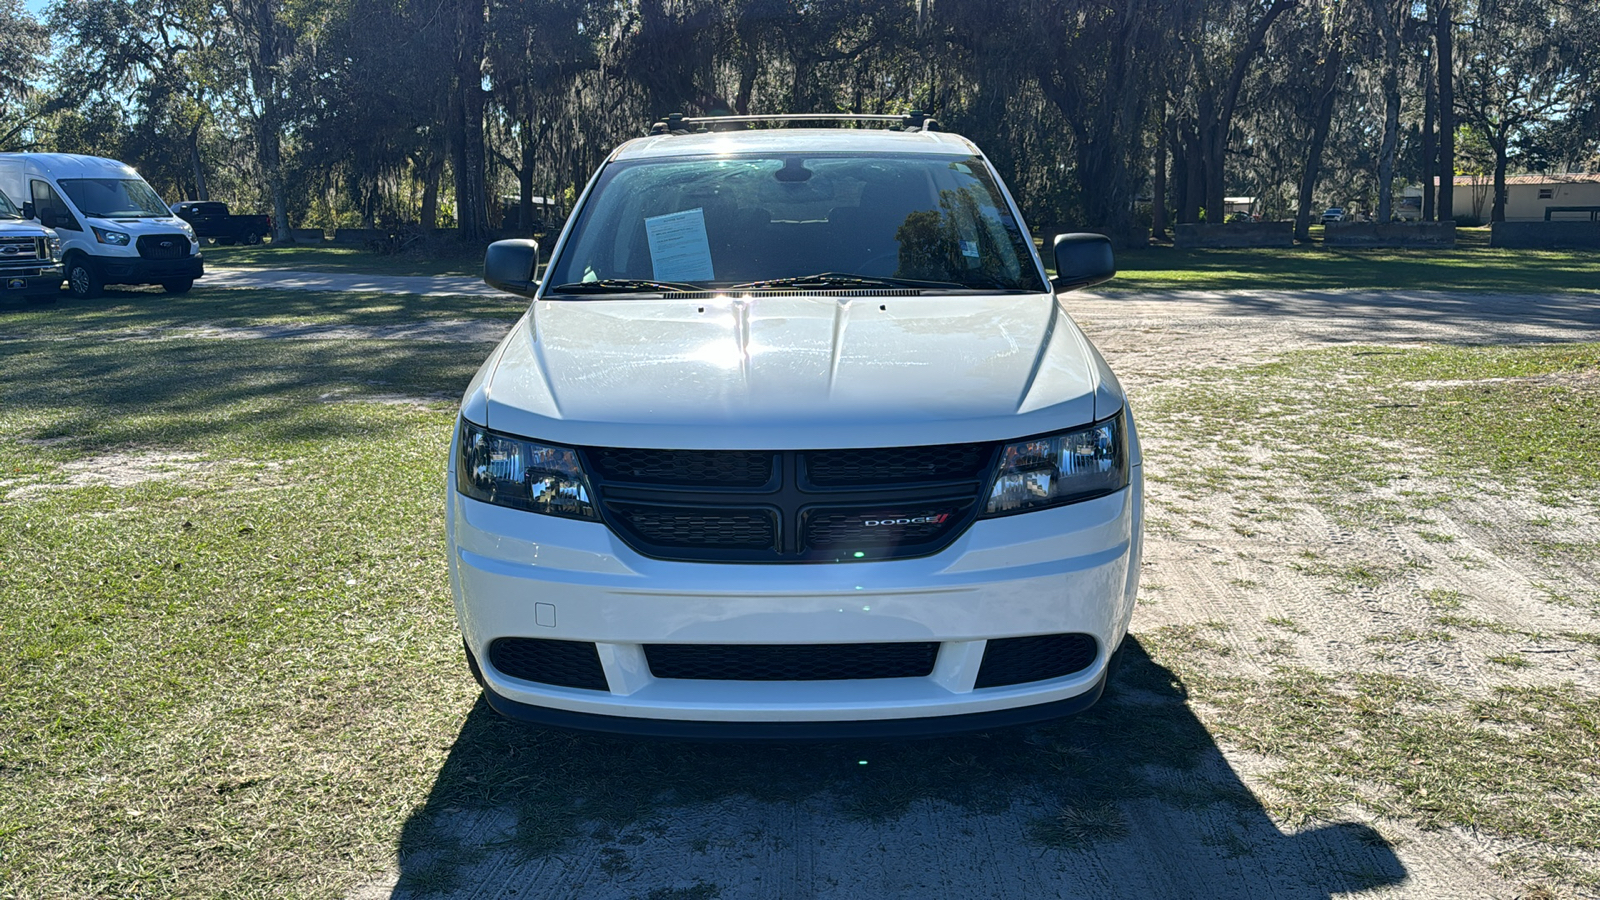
<point>679,249</point>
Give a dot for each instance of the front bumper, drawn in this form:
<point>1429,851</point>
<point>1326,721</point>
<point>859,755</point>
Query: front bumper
<point>1073,569</point>
<point>138,270</point>
<point>32,281</point>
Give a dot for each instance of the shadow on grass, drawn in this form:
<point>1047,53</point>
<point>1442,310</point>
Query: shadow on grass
<point>89,395</point>
<point>1135,787</point>
<point>128,308</point>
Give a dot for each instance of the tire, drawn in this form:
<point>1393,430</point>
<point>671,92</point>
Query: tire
<point>178,285</point>
<point>83,279</point>
<point>252,238</point>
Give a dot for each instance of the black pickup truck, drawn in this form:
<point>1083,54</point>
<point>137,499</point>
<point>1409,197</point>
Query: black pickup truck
<point>211,220</point>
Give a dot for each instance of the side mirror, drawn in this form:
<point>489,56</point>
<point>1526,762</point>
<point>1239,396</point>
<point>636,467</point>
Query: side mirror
<point>28,212</point>
<point>511,265</point>
<point>1082,260</point>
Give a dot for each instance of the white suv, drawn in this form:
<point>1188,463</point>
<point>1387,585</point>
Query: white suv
<point>795,440</point>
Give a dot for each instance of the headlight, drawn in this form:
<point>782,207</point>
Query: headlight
<point>522,474</point>
<point>53,244</point>
<point>107,236</point>
<point>1061,468</point>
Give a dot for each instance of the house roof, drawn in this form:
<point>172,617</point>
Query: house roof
<point>1564,178</point>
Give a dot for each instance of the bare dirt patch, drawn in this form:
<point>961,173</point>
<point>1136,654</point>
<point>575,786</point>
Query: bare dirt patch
<point>114,470</point>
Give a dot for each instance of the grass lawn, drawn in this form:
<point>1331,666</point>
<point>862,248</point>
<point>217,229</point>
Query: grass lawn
<point>451,260</point>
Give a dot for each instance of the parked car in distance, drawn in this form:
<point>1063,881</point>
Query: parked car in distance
<point>212,221</point>
<point>796,439</point>
<point>30,256</point>
<point>1332,215</point>
<point>114,227</point>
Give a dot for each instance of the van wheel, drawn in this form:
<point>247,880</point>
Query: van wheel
<point>84,281</point>
<point>178,286</point>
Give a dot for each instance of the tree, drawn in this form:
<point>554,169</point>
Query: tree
<point>1523,64</point>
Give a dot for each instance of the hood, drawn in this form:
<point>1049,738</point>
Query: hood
<point>23,228</point>
<point>790,372</point>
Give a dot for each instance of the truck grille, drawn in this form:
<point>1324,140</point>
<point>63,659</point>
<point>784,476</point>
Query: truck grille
<point>15,250</point>
<point>792,662</point>
<point>163,246</point>
<point>790,505</point>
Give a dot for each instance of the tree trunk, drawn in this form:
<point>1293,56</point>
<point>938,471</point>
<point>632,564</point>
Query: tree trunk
<point>1428,154</point>
<point>472,212</point>
<point>1158,187</point>
<point>201,192</point>
<point>1391,108</point>
<point>1443,36</point>
<point>1497,213</point>
<point>1217,129</point>
<point>1331,67</point>
<point>430,191</point>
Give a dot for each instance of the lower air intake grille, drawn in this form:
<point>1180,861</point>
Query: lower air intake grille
<point>1024,659</point>
<point>573,664</point>
<point>791,662</point>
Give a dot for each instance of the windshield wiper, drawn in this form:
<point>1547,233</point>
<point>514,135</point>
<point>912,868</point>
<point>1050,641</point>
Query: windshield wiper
<point>624,286</point>
<point>840,279</point>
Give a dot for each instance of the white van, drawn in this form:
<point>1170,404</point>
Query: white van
<point>114,228</point>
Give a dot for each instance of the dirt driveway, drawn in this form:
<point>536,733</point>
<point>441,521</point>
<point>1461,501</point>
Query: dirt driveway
<point>1148,795</point>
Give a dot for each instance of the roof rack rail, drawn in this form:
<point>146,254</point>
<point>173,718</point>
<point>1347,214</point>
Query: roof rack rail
<point>678,123</point>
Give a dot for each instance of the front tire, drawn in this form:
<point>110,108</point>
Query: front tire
<point>178,286</point>
<point>84,280</point>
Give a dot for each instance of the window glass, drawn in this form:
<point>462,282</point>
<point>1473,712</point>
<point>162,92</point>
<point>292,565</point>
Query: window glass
<point>114,198</point>
<point>723,221</point>
<point>49,207</point>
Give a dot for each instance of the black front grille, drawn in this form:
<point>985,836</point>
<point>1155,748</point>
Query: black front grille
<point>741,529</point>
<point>163,246</point>
<point>790,505</point>
<point>1023,659</point>
<point>791,662</point>
<point>565,663</point>
<point>726,468</point>
<point>897,465</point>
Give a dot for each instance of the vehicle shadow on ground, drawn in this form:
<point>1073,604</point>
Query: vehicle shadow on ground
<point>1130,799</point>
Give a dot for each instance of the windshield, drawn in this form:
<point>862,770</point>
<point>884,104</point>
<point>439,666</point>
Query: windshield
<point>7,211</point>
<point>114,198</point>
<point>720,222</point>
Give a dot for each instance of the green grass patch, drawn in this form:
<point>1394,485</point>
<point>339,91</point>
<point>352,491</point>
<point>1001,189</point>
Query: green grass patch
<point>1312,267</point>
<point>443,259</point>
<point>1348,419</point>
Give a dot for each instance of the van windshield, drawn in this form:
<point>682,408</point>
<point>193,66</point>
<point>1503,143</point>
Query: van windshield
<point>114,198</point>
<point>783,219</point>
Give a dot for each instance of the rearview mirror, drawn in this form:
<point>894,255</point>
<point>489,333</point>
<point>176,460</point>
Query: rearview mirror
<point>511,266</point>
<point>1082,260</point>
